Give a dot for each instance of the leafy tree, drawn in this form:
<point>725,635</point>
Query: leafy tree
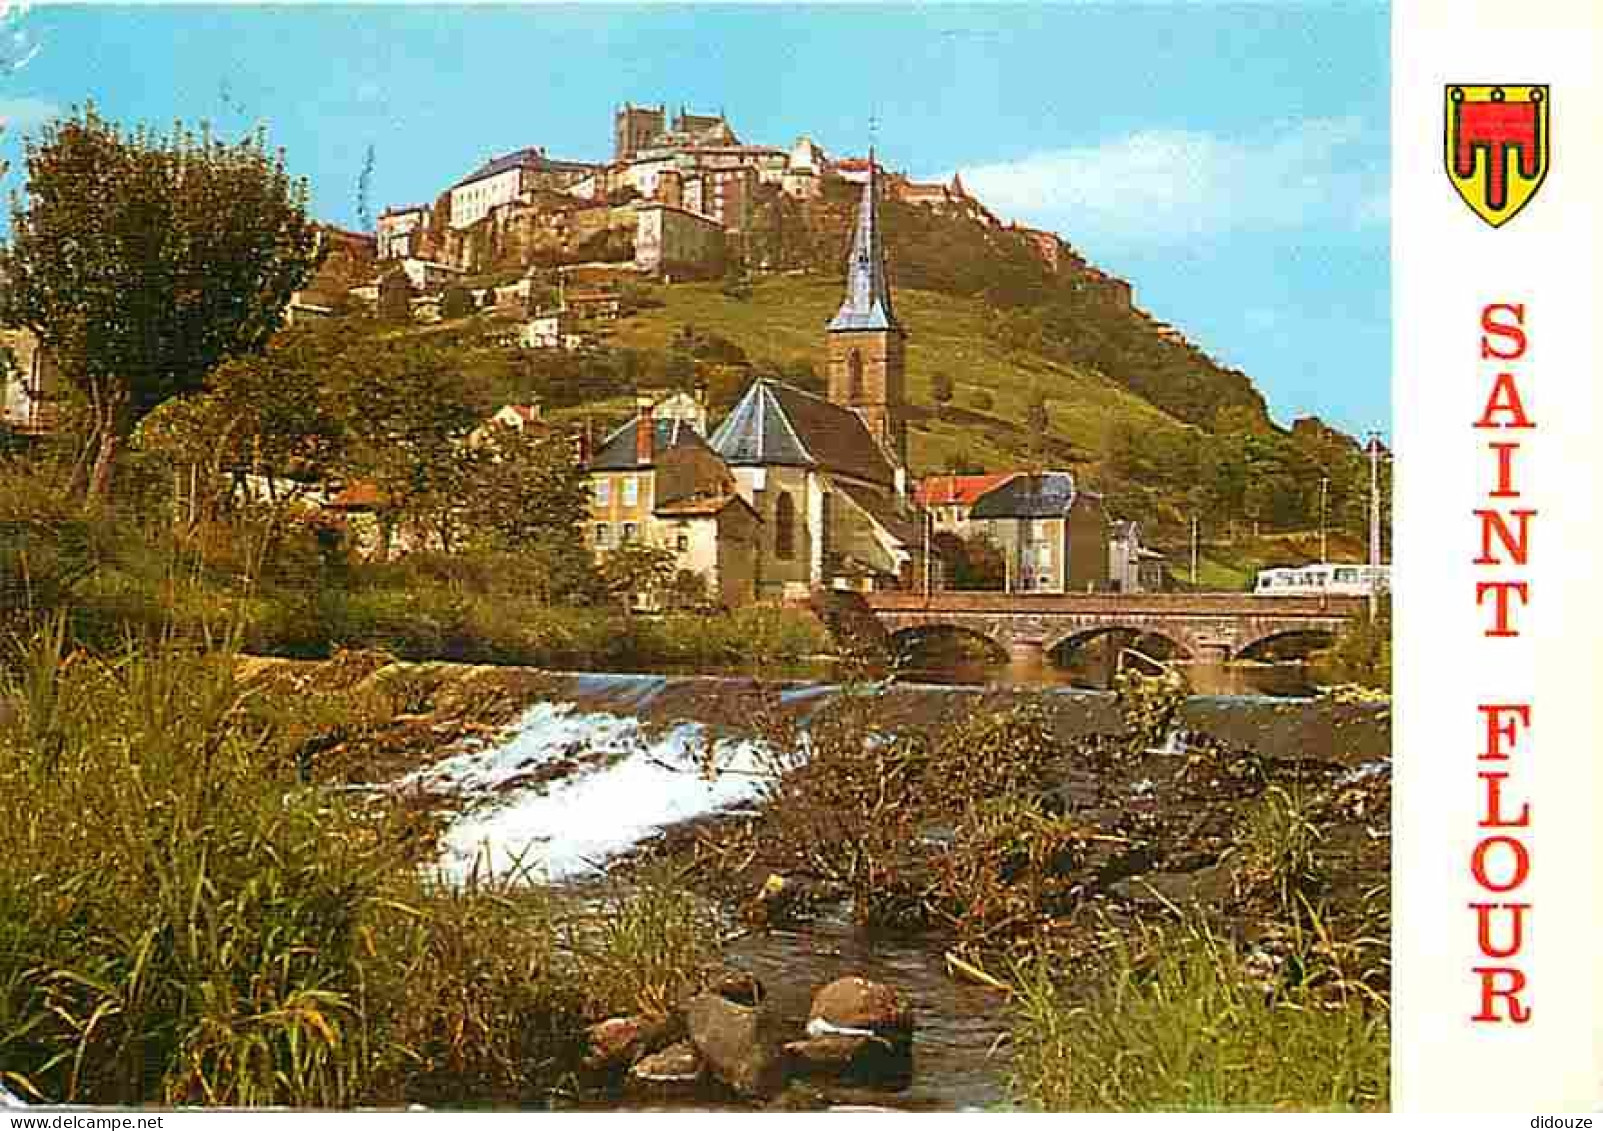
<point>456,302</point>
<point>942,387</point>
<point>395,297</point>
<point>637,569</point>
<point>687,589</point>
<point>526,490</point>
<point>409,422</point>
<point>267,413</point>
<point>143,261</point>
<point>976,563</point>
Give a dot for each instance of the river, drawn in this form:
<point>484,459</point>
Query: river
<point>605,761</point>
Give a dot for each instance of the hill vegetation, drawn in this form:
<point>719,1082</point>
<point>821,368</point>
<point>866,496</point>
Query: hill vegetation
<point>1016,358</point>
<point>981,398</point>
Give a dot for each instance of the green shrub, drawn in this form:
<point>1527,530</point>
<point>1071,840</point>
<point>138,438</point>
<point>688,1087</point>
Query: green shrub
<point>184,920</point>
<point>1362,652</point>
<point>1185,1021</point>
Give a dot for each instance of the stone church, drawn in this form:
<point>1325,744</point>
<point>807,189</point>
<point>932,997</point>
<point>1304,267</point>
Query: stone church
<point>828,476</point>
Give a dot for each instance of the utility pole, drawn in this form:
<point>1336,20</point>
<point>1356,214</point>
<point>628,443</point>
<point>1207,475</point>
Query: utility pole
<point>1193,551</point>
<point>929,520</point>
<point>1374,519</point>
<point>1324,497</point>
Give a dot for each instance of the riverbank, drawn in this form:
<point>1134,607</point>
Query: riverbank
<point>1018,839</point>
<point>1258,826</point>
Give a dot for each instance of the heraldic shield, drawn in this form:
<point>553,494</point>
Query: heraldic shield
<point>1497,147</point>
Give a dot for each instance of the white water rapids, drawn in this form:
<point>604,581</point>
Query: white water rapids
<point>627,782</point>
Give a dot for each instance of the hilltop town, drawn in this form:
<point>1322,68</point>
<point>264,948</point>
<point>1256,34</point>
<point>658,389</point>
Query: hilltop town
<point>551,264</point>
<point>683,198</point>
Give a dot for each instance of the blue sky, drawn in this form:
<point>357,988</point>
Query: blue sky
<point>1230,160</point>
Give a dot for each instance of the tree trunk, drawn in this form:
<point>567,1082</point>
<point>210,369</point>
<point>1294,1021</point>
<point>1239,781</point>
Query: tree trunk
<point>78,482</point>
<point>100,479</point>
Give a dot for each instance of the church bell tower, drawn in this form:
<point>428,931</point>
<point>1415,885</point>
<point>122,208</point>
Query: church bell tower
<point>867,346</point>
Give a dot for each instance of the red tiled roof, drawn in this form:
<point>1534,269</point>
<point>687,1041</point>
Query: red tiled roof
<point>962,490</point>
<point>356,496</point>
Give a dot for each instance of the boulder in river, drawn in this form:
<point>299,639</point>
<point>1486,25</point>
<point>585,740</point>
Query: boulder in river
<point>737,1040</point>
<point>620,1041</point>
<point>857,1029</point>
<point>677,1066</point>
<point>856,1007</point>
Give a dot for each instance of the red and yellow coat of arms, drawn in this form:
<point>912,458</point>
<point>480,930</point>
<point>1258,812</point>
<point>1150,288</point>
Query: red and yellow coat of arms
<point>1497,147</point>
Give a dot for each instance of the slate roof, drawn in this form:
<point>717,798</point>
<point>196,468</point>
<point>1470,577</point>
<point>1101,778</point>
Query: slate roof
<point>868,291</point>
<point>702,506</point>
<point>1045,495</point>
<point>883,511</point>
<point>617,451</point>
<point>530,158</point>
<point>775,424</point>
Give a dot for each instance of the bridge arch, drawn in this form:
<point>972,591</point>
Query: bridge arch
<point>1313,636</point>
<point>906,641</point>
<point>1082,635</point>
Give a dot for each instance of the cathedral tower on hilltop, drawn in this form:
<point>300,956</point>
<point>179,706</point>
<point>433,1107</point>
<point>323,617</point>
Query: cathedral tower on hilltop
<point>867,346</point>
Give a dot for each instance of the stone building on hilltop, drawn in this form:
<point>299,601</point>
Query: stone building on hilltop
<point>639,128</point>
<point>401,231</point>
<point>504,180</point>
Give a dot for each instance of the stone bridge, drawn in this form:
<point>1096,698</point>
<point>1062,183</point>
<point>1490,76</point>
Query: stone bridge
<point>1201,626</point>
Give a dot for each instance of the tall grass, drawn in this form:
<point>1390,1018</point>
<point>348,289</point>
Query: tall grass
<point>1182,1020</point>
<point>184,920</point>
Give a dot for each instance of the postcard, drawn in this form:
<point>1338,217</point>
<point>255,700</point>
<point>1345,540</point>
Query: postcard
<point>767,558</point>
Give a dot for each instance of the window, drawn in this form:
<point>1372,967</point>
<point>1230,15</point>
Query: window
<point>854,370</point>
<point>682,542</point>
<point>603,492</point>
<point>784,527</point>
<point>603,535</point>
<point>631,491</point>
<point>629,531</point>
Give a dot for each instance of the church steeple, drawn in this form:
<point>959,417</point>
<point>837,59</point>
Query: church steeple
<point>866,343</point>
<point>867,305</point>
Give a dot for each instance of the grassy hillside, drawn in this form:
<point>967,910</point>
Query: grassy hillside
<point>783,322</point>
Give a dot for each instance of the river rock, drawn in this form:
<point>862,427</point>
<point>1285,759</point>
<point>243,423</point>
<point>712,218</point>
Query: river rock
<point>677,1066</point>
<point>831,1053</point>
<point>856,1007</point>
<point>859,1030</point>
<point>620,1041</point>
<point>737,1041</point>
<point>738,986</point>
